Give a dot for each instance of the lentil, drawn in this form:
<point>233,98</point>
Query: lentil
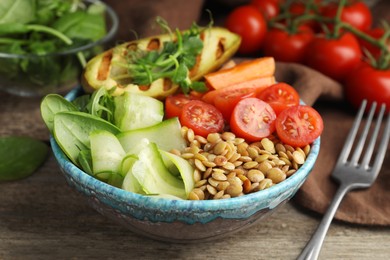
<point>226,166</point>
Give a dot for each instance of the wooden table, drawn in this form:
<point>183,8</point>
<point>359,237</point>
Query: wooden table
<point>41,217</point>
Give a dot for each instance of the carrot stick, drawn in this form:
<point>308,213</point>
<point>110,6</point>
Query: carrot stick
<point>244,71</point>
<point>257,84</point>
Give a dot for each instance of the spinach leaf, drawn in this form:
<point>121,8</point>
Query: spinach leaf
<point>20,157</point>
<point>81,25</point>
<point>72,128</point>
<point>20,11</point>
<point>53,104</point>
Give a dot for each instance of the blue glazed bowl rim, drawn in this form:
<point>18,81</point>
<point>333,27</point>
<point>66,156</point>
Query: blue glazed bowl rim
<point>163,204</point>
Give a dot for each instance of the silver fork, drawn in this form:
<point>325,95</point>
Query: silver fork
<point>353,173</point>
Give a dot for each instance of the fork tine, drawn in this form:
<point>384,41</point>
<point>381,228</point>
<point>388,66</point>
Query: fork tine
<point>382,147</point>
<point>371,145</point>
<point>362,140</point>
<point>352,134</point>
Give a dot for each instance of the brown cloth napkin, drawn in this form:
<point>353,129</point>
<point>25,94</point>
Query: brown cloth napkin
<point>370,206</point>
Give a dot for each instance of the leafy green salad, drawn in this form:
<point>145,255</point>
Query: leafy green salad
<point>43,27</point>
<point>122,140</point>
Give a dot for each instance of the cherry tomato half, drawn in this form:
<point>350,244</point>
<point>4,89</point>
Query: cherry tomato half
<point>334,57</point>
<point>175,103</point>
<point>252,119</point>
<point>280,96</point>
<point>299,125</point>
<point>250,24</point>
<point>225,101</point>
<point>368,83</point>
<point>201,117</point>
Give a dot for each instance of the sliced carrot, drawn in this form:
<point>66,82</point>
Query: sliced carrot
<point>244,71</point>
<point>256,84</point>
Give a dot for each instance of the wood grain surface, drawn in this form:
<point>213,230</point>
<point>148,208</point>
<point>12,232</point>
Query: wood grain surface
<point>41,217</point>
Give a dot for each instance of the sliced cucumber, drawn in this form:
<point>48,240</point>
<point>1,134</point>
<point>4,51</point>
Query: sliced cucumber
<point>130,183</point>
<point>153,176</point>
<point>106,151</point>
<point>185,169</point>
<point>72,129</point>
<point>167,136</point>
<point>135,111</point>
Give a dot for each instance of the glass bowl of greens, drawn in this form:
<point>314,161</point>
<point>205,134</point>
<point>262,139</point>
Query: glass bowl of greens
<point>44,44</point>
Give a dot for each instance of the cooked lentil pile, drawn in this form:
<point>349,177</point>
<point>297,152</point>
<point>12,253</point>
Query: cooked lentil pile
<point>227,166</point>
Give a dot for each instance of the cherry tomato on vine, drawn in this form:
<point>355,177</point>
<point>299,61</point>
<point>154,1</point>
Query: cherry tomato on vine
<point>299,126</point>
<point>299,9</point>
<point>368,83</point>
<point>285,46</point>
<point>250,24</point>
<point>356,13</point>
<point>269,8</point>
<point>375,51</point>
<point>201,117</point>
<point>334,57</point>
<point>280,96</point>
<point>252,119</point>
<point>175,103</point>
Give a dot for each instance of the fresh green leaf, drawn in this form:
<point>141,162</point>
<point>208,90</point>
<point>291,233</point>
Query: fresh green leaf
<point>72,129</point>
<point>53,104</point>
<point>173,61</point>
<point>81,25</point>
<point>20,157</point>
<point>20,11</point>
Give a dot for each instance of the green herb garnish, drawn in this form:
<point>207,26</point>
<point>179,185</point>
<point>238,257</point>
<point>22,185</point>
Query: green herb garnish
<point>174,61</point>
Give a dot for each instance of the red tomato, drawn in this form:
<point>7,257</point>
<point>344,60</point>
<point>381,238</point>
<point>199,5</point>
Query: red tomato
<point>357,14</point>
<point>174,104</point>
<point>269,8</point>
<point>299,126</point>
<point>299,9</point>
<point>287,47</point>
<point>252,119</point>
<point>225,101</point>
<point>375,51</point>
<point>280,96</point>
<point>201,117</point>
<point>368,83</point>
<point>334,57</point>
<point>250,24</point>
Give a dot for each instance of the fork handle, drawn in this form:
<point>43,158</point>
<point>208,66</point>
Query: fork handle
<point>313,247</point>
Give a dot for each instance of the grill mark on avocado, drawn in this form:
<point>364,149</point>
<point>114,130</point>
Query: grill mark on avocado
<point>104,67</point>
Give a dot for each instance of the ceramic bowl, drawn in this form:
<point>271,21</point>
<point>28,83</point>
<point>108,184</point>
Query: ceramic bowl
<point>181,220</point>
<point>55,72</point>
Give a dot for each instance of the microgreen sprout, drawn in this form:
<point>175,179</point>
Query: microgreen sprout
<point>174,60</point>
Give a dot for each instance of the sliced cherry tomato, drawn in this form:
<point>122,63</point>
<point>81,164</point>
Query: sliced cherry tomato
<point>252,119</point>
<point>225,101</point>
<point>286,46</point>
<point>250,24</point>
<point>299,125</point>
<point>269,8</point>
<point>334,57</point>
<point>174,104</point>
<point>280,96</point>
<point>201,117</point>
